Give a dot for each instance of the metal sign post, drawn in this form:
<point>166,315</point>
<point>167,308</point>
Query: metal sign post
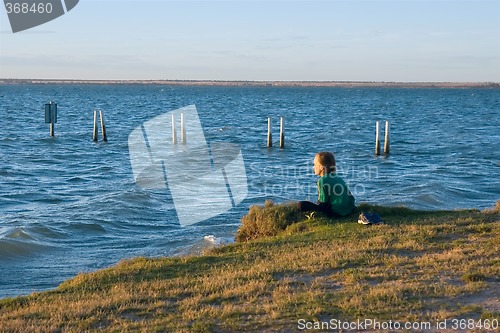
<point>51,115</point>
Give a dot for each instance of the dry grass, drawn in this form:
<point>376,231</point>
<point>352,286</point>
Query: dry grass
<point>267,221</point>
<point>424,266</point>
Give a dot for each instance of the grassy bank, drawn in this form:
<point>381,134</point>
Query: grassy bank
<point>418,266</point>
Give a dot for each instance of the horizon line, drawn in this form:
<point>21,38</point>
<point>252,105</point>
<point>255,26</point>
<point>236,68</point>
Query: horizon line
<point>282,83</point>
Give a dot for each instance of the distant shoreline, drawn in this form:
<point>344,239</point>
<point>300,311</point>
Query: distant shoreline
<point>342,84</point>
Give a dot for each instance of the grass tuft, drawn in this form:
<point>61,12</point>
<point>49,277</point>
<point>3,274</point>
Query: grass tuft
<point>495,209</point>
<point>473,277</point>
<point>267,221</point>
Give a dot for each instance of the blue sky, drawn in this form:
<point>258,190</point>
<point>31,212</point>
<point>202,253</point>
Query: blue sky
<point>405,40</point>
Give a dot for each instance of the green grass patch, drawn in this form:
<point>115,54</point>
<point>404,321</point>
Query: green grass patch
<point>286,266</point>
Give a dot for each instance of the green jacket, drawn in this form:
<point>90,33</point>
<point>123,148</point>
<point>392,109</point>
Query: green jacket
<point>333,189</point>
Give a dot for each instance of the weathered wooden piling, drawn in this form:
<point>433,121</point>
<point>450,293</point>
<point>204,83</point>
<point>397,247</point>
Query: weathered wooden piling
<point>386,142</point>
<point>103,127</point>
<point>94,136</point>
<point>282,134</point>
<point>183,130</point>
<point>377,138</point>
<point>174,133</point>
<point>269,134</point>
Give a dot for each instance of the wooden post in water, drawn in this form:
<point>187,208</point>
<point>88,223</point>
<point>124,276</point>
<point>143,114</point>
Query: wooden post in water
<point>377,138</point>
<point>51,129</point>
<point>386,142</point>
<point>183,130</point>
<point>174,133</point>
<point>269,134</point>
<point>282,134</point>
<point>103,127</point>
<point>94,137</point>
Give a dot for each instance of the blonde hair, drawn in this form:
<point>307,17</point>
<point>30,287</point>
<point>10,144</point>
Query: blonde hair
<point>327,161</point>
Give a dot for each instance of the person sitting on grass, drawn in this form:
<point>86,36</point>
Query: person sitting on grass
<point>334,197</point>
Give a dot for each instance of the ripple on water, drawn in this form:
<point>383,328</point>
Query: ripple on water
<point>16,242</point>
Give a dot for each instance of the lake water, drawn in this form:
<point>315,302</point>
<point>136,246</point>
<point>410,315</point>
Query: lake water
<point>69,205</point>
